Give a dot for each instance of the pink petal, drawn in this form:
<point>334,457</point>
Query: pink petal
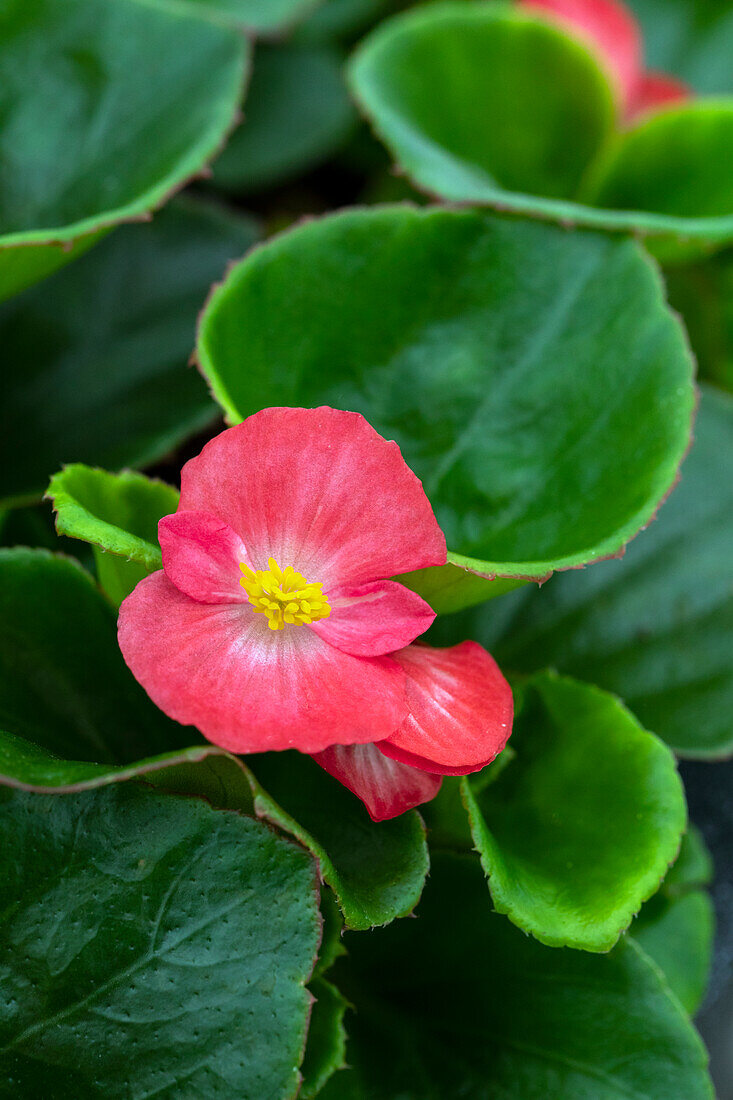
<point>605,25</point>
<point>371,619</point>
<point>655,90</point>
<point>386,787</point>
<point>201,556</point>
<point>461,709</point>
<point>250,689</point>
<point>317,489</point>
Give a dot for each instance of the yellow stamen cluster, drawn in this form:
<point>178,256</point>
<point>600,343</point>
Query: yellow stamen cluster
<point>284,595</point>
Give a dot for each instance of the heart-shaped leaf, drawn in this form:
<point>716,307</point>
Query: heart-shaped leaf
<point>495,1014</point>
<point>534,378</point>
<point>118,514</point>
<point>95,358</point>
<point>297,114</point>
<point>482,104</point>
<point>151,945</point>
<point>135,98</point>
<point>582,825</point>
<point>655,628</point>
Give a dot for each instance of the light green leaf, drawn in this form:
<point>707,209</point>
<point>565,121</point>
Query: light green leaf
<point>135,98</point>
<point>297,114</point>
<point>655,628</point>
<point>95,359</point>
<point>534,378</point>
<point>151,946</point>
<point>582,826</point>
<point>494,1015</point>
<point>118,514</point>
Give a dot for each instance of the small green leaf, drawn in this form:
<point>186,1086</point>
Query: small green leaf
<point>95,359</point>
<point>484,105</point>
<point>151,946</point>
<point>676,926</point>
<point>326,1050</point>
<point>63,683</point>
<point>656,627</point>
<point>581,828</point>
<point>534,378</point>
<point>494,1015</point>
<point>118,514</point>
<point>135,98</point>
<point>297,114</point>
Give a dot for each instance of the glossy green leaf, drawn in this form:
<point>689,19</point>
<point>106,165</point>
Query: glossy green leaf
<point>676,926</point>
<point>63,683</point>
<point>95,359</point>
<point>135,98</point>
<point>692,40</point>
<point>703,294</point>
<point>655,628</point>
<point>452,587</point>
<point>582,826</point>
<point>493,1015</point>
<point>523,131</point>
<point>534,378</point>
<point>151,946</point>
<point>297,113</point>
<point>118,514</point>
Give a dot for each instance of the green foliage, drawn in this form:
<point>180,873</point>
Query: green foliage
<point>95,358</point>
<point>692,40</point>
<point>151,945</point>
<point>703,294</point>
<point>459,1003</point>
<point>581,827</point>
<point>108,106</point>
<point>534,378</point>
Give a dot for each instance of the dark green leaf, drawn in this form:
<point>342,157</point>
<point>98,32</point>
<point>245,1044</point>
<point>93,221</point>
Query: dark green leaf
<point>534,378</point>
<point>693,40</point>
<point>459,1004</point>
<point>151,946</point>
<point>582,826</point>
<point>703,294</point>
<point>655,628</point>
<point>326,1050</point>
<point>480,104</point>
<point>676,926</point>
<point>63,683</point>
<point>108,106</point>
<point>297,113</point>
<point>258,16</point>
<point>95,358</point>
<point>118,514</point>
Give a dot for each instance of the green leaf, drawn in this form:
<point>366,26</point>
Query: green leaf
<point>581,828</point>
<point>63,683</point>
<point>693,41</point>
<point>326,1050</point>
<point>655,628</point>
<point>95,358</point>
<point>118,514</point>
<point>703,294</point>
<point>135,98</point>
<point>151,946</point>
<point>521,106</point>
<point>534,378</point>
<point>297,114</point>
<point>376,870</point>
<point>522,131</point>
<point>493,1015</point>
<point>453,587</point>
<point>255,16</point>
<point>676,926</point>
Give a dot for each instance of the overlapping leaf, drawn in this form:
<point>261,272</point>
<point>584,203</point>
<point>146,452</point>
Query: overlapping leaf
<point>533,377</point>
<point>133,100</point>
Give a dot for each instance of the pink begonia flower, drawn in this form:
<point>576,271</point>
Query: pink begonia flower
<point>611,29</point>
<point>274,624</point>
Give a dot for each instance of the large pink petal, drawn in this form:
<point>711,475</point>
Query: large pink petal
<point>655,90</point>
<point>371,619</point>
<point>461,709</point>
<point>608,27</point>
<point>386,787</point>
<point>201,556</point>
<point>250,689</point>
<point>317,489</point>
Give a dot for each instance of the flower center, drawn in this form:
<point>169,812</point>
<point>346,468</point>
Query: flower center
<point>284,595</point>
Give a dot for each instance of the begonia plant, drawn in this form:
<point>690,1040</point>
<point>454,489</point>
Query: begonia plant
<point>366,549</point>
